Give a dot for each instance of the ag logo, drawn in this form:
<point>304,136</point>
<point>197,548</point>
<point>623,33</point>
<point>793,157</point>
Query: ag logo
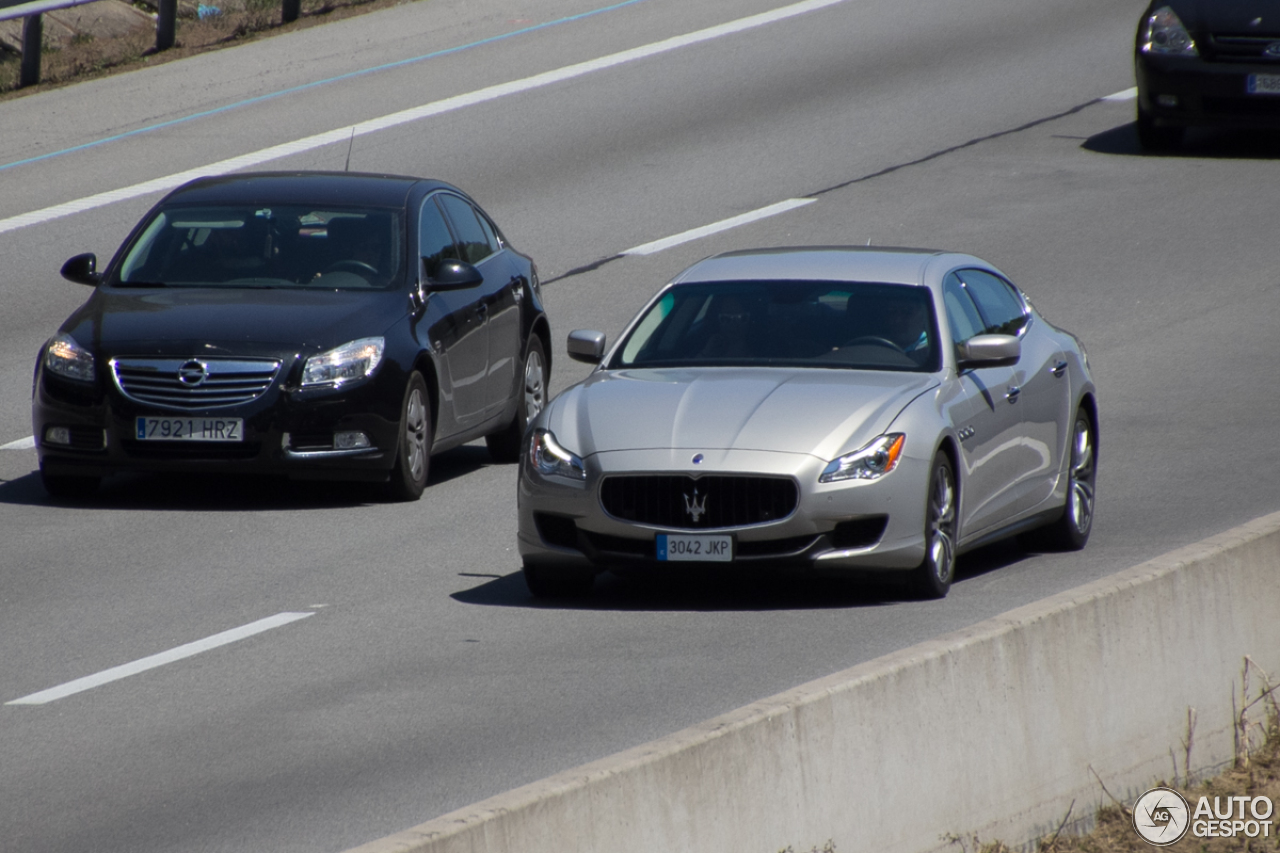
<point>1161,816</point>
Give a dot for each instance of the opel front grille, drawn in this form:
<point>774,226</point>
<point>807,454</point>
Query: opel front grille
<point>689,503</point>
<point>193,383</point>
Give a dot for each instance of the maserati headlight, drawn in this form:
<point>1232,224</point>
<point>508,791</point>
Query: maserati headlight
<point>349,362</point>
<point>1166,35</point>
<point>65,357</point>
<point>551,460</point>
<point>870,463</point>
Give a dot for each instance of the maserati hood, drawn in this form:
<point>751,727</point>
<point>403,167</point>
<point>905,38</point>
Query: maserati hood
<point>811,411</point>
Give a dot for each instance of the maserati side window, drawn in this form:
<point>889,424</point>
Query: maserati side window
<point>1001,307</point>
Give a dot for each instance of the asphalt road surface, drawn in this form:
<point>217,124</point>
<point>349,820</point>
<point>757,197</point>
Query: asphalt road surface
<point>424,677</point>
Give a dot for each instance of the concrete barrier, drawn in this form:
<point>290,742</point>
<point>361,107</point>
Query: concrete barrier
<point>995,730</point>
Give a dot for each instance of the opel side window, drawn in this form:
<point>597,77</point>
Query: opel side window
<point>476,243</point>
<point>1002,310</point>
<point>435,243</point>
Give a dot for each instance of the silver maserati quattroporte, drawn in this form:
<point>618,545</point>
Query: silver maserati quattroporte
<point>836,409</point>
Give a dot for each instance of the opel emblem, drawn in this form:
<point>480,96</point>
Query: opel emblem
<point>1273,50</point>
<point>694,507</point>
<point>192,373</point>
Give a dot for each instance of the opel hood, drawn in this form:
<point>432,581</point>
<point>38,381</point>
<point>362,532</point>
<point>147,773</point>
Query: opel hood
<point>234,320</point>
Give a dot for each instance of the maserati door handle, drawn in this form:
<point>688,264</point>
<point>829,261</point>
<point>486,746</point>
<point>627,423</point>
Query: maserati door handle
<point>1013,393</point>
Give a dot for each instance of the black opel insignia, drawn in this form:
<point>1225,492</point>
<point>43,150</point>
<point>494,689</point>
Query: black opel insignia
<point>1206,62</point>
<point>311,325</point>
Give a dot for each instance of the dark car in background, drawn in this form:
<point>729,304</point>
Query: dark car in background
<point>1206,63</point>
<point>311,325</point>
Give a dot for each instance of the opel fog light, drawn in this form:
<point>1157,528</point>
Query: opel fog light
<point>65,357</point>
<point>870,463</point>
<point>552,460</point>
<point>350,440</point>
<point>349,362</point>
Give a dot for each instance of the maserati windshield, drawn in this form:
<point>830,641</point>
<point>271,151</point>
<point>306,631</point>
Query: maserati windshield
<point>865,326</point>
<point>260,246</point>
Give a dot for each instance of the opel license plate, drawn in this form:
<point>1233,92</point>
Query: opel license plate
<point>190,429</point>
<point>1263,84</point>
<point>704,549</point>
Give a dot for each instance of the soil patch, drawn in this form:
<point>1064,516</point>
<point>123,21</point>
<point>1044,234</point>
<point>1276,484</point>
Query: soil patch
<point>93,41</point>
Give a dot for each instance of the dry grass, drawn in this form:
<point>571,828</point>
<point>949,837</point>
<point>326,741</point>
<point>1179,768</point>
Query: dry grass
<point>1256,773</point>
<point>85,57</point>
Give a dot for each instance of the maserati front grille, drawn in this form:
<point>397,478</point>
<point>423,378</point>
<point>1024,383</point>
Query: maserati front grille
<point>688,503</point>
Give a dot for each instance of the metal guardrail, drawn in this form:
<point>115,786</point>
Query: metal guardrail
<point>23,10</point>
<point>33,28</point>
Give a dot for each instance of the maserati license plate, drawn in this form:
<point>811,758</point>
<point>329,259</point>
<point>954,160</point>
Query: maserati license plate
<point>190,429</point>
<point>703,549</point>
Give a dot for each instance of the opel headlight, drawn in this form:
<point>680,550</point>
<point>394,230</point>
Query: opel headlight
<point>1166,35</point>
<point>551,460</point>
<point>870,463</point>
<point>65,357</point>
<point>349,362</point>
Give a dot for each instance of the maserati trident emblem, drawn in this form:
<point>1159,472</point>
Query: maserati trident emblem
<point>1273,50</point>
<point>192,373</point>
<point>1256,22</point>
<point>694,507</point>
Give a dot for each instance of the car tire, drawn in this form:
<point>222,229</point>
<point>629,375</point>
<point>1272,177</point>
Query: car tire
<point>1157,139</point>
<point>64,487</point>
<point>558,582</point>
<point>1070,532</point>
<point>505,445</point>
<point>935,573</point>
<point>413,451</point>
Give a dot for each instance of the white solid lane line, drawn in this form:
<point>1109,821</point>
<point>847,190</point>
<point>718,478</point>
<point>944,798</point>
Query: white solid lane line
<point>716,227</point>
<point>125,670</point>
<point>27,443</point>
<point>342,134</point>
<point>1126,95</point>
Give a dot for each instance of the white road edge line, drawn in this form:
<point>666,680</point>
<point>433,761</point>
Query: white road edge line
<point>190,649</point>
<point>457,102</point>
<point>1126,95</point>
<point>27,443</point>
<point>717,227</point>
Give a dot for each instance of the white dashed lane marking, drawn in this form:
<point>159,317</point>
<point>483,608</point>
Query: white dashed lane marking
<point>343,134</point>
<point>717,227</point>
<point>181,652</point>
